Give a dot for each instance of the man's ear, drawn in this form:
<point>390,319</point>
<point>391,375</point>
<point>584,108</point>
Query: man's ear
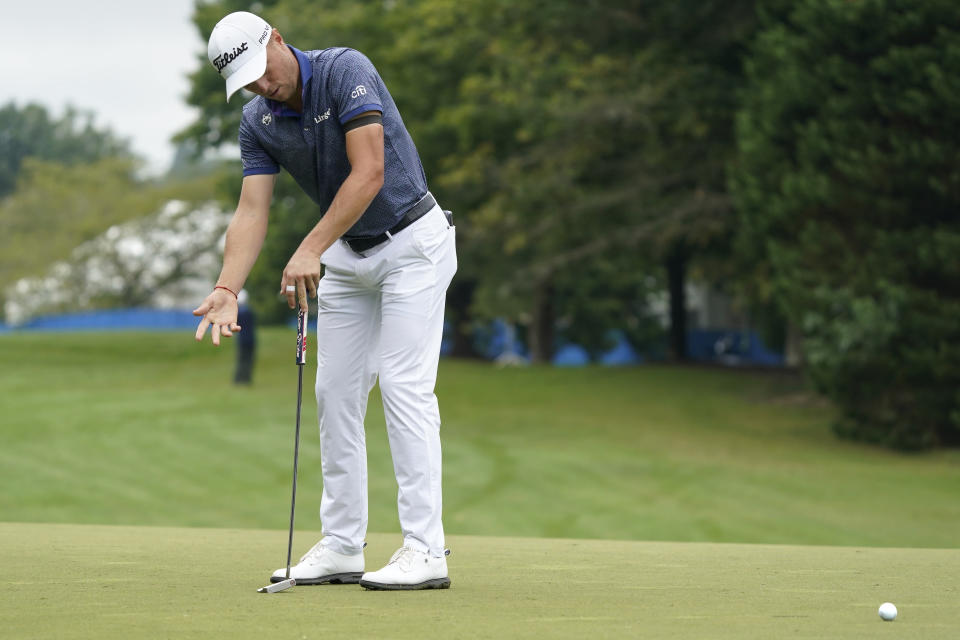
<point>276,37</point>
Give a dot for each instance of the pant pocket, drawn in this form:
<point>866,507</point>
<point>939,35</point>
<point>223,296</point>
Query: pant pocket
<point>430,239</point>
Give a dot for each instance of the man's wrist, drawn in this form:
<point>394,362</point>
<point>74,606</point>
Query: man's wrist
<point>309,246</point>
<point>225,288</point>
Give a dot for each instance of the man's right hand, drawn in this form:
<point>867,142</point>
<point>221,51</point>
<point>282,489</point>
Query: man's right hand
<point>219,311</point>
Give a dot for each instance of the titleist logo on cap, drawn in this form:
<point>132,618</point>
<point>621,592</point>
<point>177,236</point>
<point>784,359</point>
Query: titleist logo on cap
<point>227,57</point>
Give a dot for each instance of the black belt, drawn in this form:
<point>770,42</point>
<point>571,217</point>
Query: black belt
<point>416,212</point>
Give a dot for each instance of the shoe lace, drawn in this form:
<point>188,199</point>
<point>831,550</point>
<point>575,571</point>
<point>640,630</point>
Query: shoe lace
<point>314,553</point>
<point>403,557</point>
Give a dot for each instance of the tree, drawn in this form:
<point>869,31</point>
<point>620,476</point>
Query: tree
<point>848,189</point>
<point>560,133</point>
<point>155,260</point>
<point>597,130</point>
<point>57,207</point>
<point>30,132</point>
<point>47,167</point>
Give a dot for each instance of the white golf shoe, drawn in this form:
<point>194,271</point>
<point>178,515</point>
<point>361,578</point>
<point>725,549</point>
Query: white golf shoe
<point>409,569</point>
<point>322,565</point>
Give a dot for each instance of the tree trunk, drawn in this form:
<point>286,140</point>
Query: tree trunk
<point>542,327</point>
<point>793,349</point>
<point>459,299</point>
<point>676,283</point>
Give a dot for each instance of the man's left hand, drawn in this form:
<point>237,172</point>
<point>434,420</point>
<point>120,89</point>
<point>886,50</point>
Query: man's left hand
<point>303,273</point>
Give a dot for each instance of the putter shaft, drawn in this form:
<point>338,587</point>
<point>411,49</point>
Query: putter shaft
<point>301,360</point>
<point>296,459</point>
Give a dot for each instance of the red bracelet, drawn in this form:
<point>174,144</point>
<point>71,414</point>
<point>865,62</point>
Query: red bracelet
<point>220,286</point>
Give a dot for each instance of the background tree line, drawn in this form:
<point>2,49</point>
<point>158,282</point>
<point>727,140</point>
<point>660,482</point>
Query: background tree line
<point>800,156</point>
<point>64,184</point>
<point>583,165</point>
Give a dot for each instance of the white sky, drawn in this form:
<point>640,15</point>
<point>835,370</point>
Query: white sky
<point>125,60</point>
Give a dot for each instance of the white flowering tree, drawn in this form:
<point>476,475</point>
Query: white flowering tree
<point>165,260</point>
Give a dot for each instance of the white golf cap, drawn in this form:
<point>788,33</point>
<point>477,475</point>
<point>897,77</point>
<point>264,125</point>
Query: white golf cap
<point>238,49</point>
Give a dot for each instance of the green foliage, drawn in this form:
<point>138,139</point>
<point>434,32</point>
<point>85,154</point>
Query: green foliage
<point>30,132</point>
<point>890,361</point>
<point>57,207</point>
<point>849,190</point>
<point>159,259</point>
<point>560,133</point>
<point>581,144</point>
<point>62,181</point>
<point>609,293</point>
<point>219,120</point>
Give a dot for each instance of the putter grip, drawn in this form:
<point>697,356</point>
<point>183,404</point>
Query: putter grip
<point>301,337</point>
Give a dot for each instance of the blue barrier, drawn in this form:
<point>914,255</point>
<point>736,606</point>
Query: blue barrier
<point>622,353</point>
<point>496,340</point>
<point>446,342</point>
<point>114,320</point>
<point>732,347</point>
<point>571,355</point>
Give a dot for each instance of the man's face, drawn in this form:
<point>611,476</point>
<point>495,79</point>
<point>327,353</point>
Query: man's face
<point>280,78</point>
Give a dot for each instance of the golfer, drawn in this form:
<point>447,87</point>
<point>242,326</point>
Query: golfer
<point>389,254</point>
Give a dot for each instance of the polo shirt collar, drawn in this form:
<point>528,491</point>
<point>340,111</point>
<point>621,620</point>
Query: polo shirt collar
<point>306,72</point>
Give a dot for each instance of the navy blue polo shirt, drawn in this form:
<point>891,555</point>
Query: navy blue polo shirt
<point>338,84</point>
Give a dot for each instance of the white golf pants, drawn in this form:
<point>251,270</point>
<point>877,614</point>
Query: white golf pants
<point>381,314</point>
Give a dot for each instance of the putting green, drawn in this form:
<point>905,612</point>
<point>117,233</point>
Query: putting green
<point>84,581</point>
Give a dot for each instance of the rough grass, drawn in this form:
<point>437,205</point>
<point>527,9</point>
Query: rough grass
<point>146,429</point>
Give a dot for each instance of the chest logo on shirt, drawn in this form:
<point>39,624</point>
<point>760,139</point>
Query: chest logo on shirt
<point>323,116</point>
<point>359,91</point>
<point>267,119</point>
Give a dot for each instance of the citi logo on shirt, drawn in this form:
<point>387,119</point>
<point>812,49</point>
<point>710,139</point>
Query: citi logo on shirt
<point>323,116</point>
<point>359,91</point>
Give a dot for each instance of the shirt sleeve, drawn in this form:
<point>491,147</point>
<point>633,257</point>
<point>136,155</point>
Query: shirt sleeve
<point>253,156</point>
<point>355,85</point>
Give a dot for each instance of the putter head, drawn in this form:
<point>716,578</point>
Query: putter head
<point>283,585</point>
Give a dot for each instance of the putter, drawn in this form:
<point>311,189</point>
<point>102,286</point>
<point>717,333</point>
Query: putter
<point>301,360</point>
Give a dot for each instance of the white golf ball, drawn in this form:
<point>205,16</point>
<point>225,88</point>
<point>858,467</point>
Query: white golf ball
<point>888,611</point>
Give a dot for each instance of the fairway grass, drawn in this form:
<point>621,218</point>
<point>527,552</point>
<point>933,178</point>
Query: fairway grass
<point>97,582</point>
<point>146,429</point>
